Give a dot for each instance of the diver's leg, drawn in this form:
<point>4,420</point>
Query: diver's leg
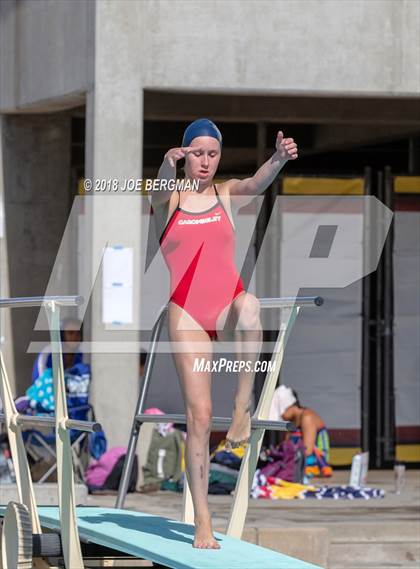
<point>245,315</point>
<point>196,389</point>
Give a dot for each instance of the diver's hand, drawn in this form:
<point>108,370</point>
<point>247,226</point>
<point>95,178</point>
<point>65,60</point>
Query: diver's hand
<point>286,147</point>
<point>175,154</point>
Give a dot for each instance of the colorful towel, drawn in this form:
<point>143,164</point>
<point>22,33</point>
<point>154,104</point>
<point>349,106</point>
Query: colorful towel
<point>77,382</point>
<point>344,493</point>
<point>277,489</point>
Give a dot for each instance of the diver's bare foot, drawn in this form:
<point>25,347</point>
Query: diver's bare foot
<point>204,538</point>
<point>240,429</point>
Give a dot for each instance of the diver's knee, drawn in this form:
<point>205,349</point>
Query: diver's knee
<point>199,420</point>
<point>249,313</point>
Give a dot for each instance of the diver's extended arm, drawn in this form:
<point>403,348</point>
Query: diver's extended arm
<point>286,149</point>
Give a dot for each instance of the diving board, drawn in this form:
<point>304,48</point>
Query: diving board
<point>166,541</point>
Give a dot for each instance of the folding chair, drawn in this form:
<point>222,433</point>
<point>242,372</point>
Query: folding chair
<point>41,445</point>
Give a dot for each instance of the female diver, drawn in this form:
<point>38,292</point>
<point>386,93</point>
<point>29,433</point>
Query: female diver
<point>208,300</point>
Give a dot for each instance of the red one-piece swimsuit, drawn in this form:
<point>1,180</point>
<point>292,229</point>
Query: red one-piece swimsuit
<point>199,249</point>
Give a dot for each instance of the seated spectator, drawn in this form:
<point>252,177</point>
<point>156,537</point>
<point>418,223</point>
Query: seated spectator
<point>40,395</point>
<point>310,428</point>
<point>71,336</point>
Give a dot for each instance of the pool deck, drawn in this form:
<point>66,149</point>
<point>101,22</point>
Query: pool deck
<point>332,533</point>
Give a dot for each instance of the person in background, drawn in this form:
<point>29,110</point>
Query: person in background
<point>71,336</point>
<point>77,372</point>
<point>142,363</point>
<point>285,406</point>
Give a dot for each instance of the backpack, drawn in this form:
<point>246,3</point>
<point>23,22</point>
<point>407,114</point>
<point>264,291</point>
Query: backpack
<point>105,473</point>
<point>164,459</point>
<point>286,461</point>
<point>112,481</point>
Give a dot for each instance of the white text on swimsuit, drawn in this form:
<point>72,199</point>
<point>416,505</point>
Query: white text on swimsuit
<point>199,221</point>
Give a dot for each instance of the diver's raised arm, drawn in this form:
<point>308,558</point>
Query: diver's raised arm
<point>286,149</point>
<point>167,171</point>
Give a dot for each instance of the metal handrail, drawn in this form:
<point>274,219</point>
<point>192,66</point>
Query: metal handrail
<point>290,301</point>
<point>35,420</point>
<point>40,421</point>
<point>25,301</point>
<point>72,552</point>
<point>216,421</point>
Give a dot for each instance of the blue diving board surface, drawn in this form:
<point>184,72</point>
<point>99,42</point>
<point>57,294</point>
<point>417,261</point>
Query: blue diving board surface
<point>166,541</point>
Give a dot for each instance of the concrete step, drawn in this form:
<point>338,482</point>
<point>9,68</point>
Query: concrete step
<point>374,553</point>
<point>375,545</point>
<point>375,532</point>
<point>307,544</point>
<point>414,565</point>
<point>45,494</point>
<point>310,544</point>
<point>377,565</point>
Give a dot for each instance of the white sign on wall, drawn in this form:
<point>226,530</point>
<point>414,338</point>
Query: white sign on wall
<point>117,287</point>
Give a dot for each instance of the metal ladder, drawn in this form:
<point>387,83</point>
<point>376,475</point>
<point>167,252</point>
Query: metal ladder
<point>290,307</point>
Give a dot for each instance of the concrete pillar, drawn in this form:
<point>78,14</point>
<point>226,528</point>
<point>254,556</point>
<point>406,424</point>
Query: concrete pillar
<point>6,344</point>
<point>36,164</point>
<point>114,121</point>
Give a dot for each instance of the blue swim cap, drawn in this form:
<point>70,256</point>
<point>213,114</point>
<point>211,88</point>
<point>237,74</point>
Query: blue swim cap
<point>201,127</point>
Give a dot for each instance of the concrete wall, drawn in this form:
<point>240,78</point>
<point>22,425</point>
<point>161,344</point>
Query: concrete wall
<point>46,51</point>
<point>352,46</point>
<point>36,154</point>
<point>6,344</point>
